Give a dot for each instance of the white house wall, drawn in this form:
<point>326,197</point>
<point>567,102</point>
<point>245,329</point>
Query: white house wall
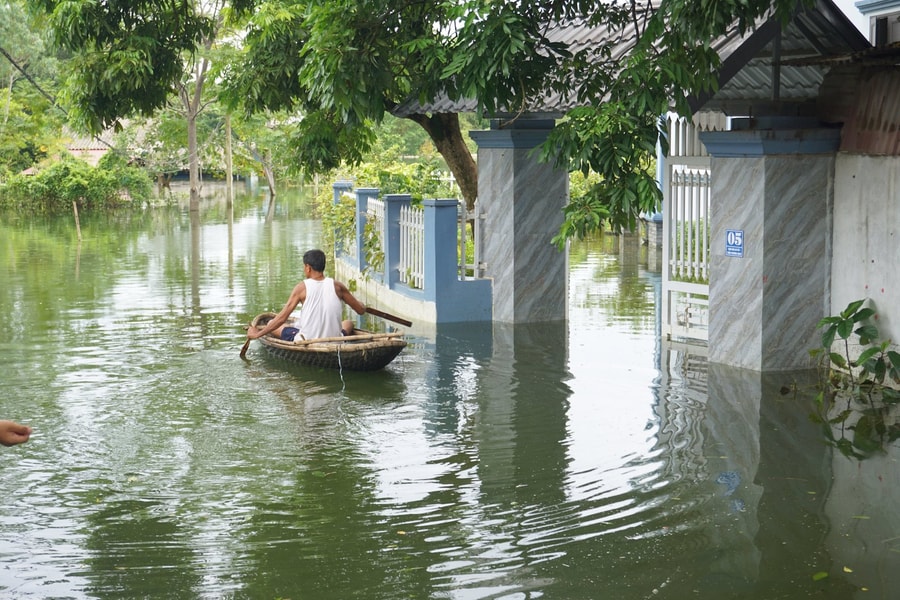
<point>866,240</point>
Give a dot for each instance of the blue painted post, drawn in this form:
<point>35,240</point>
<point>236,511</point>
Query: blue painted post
<point>362,205</point>
<point>440,247</point>
<point>339,187</point>
<point>392,205</point>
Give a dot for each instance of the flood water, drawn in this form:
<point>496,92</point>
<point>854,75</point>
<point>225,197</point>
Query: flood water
<point>578,460</point>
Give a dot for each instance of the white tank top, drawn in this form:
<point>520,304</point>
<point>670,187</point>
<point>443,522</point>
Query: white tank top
<point>320,315</point>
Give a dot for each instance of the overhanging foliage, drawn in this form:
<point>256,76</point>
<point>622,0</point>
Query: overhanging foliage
<point>343,64</point>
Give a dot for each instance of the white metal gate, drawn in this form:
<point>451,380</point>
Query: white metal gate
<point>686,201</point>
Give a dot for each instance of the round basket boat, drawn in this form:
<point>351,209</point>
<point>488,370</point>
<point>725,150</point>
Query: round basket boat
<point>362,351</point>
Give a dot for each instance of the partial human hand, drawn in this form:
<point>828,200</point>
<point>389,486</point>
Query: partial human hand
<point>12,433</point>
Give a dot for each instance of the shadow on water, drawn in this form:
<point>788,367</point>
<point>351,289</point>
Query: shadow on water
<point>384,385</point>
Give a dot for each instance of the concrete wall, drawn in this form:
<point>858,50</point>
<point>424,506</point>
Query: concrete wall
<point>866,247</point>
<point>444,297</point>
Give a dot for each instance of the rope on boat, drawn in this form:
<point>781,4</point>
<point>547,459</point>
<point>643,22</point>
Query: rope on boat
<point>340,368</point>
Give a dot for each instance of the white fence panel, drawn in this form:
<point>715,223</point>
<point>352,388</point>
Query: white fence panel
<point>689,225</point>
<point>686,227</point>
<point>412,247</point>
<point>468,237</point>
<point>348,244</point>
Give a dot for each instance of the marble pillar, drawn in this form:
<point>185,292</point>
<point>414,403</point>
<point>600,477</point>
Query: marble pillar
<point>520,202</point>
<point>770,259</point>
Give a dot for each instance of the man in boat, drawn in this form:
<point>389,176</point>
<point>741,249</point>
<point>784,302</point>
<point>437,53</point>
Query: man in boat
<point>323,301</point>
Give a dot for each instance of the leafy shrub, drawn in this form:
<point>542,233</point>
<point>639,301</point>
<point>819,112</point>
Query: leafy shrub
<point>52,190</point>
<point>339,221</point>
<point>132,179</point>
<point>420,179</point>
<point>858,395</point>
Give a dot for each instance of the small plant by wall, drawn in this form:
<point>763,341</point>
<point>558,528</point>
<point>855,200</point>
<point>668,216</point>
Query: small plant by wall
<point>857,404</point>
<point>339,221</point>
<point>372,245</point>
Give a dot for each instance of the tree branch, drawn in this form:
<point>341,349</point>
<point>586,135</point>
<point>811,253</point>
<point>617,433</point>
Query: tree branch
<point>22,70</point>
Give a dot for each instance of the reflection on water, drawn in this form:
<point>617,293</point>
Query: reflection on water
<point>578,459</point>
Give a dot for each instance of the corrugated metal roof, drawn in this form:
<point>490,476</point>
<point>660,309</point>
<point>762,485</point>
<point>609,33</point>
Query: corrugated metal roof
<point>84,142</point>
<point>862,91</point>
<point>770,69</point>
<point>746,82</point>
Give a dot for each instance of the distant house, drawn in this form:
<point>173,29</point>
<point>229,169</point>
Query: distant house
<point>883,19</point>
<point>88,149</point>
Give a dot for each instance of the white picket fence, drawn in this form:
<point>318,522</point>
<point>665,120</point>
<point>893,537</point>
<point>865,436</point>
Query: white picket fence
<point>412,241</point>
<point>686,233</point>
<point>688,219</point>
<point>412,247</point>
<point>375,210</point>
<point>464,216</point>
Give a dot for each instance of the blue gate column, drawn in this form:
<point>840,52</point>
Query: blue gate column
<point>520,201</point>
<point>770,240</point>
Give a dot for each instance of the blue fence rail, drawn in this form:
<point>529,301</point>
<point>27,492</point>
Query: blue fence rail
<point>445,295</point>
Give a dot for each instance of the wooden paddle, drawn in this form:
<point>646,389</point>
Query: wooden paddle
<point>246,345</point>
<point>388,316</point>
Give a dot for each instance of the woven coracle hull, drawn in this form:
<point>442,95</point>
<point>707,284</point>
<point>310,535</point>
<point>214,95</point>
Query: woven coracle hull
<point>351,359</point>
<point>362,351</point>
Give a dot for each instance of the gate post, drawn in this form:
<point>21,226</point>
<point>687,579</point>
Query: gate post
<point>771,241</point>
<point>521,200</point>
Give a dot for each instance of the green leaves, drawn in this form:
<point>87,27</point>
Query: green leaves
<point>126,56</point>
<point>54,189</point>
<point>851,309</point>
<point>611,141</point>
<point>322,141</point>
<point>341,65</point>
<point>354,60</point>
<point>861,381</point>
<point>583,215</point>
<point>842,326</point>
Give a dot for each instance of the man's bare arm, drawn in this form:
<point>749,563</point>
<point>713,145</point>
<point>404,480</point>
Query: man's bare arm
<point>344,294</point>
<point>298,295</point>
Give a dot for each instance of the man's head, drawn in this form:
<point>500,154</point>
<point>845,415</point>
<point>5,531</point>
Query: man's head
<point>315,259</point>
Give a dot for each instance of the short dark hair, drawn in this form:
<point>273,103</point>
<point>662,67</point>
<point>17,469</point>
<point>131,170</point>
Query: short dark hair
<point>315,259</point>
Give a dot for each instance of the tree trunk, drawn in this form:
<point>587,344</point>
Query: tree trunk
<point>229,173</point>
<point>444,131</point>
<point>9,91</point>
<point>192,108</point>
<point>194,160</point>
<point>270,174</point>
